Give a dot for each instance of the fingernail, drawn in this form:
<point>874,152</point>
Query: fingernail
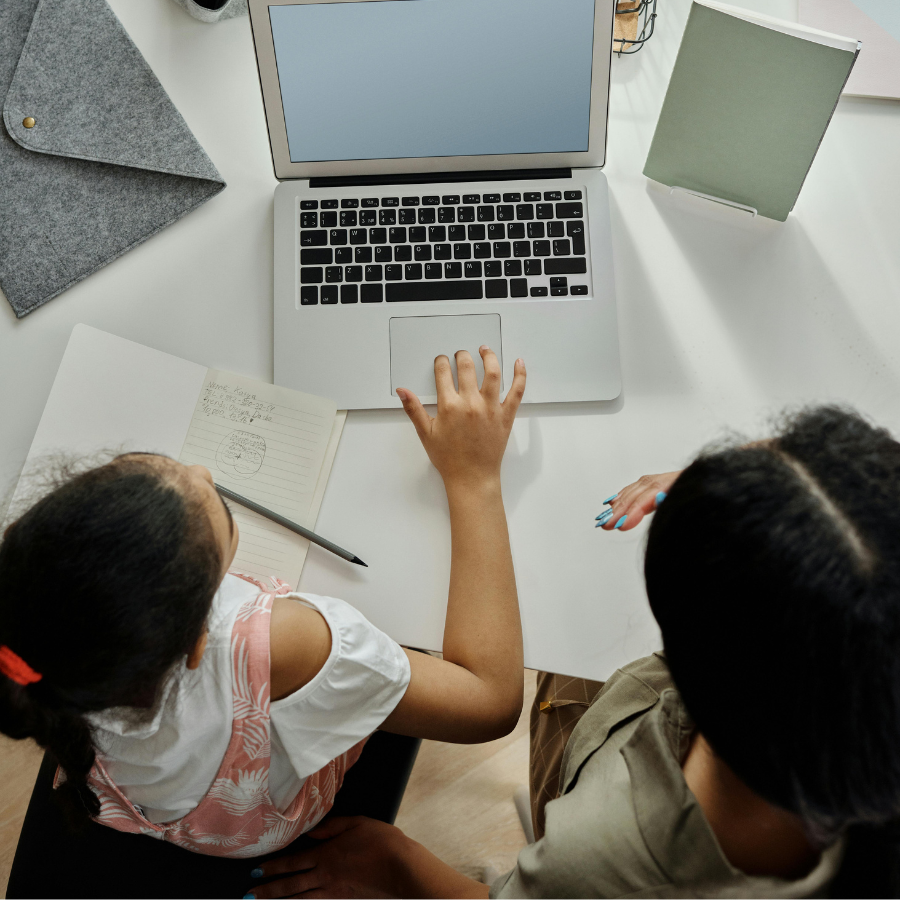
<point>610,499</point>
<point>660,497</point>
<point>520,361</point>
<point>249,896</point>
<point>401,394</point>
<point>604,517</point>
<point>621,522</point>
<point>257,873</point>
<point>484,347</point>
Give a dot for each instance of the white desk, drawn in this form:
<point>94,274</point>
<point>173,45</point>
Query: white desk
<point>722,321</point>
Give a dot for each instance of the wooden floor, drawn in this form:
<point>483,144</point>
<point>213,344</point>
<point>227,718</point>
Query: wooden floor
<point>459,802</point>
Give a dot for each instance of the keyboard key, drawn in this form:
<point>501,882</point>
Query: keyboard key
<point>397,235</point>
<point>496,289</point>
<point>502,249</point>
<point>362,254</point>
<point>378,235</point>
<point>371,293</point>
<point>493,269</point>
<point>515,230</point>
<point>539,292</point>
<point>407,217</point>
<point>572,195</point>
<point>491,198</point>
<point>334,274</point>
<point>393,273</point>
<point>384,254</point>
<point>422,252</point>
<point>465,214</point>
<point>370,201</point>
<point>475,232</point>
<point>485,213</point>
<point>402,253</point>
<point>482,250</point>
<point>358,235</point>
<point>413,271</point>
<point>505,213</point>
<point>337,236</point>
<point>541,248</point>
<point>452,200</point>
<point>447,214</point>
<point>327,219</point>
<point>390,201</point>
<point>566,265</point>
<point>559,281</point>
<point>410,201</point>
<point>417,234</point>
<point>457,232</point>
<point>329,293</point>
<point>535,229</point>
<point>512,267</point>
<point>552,195</point>
<point>471,198</point>
<point>452,270</point>
<point>512,198</point>
<point>349,203</point>
<point>556,229</point>
<point>462,251</point>
<point>309,295</point>
<point>309,220</point>
<point>532,267</point>
<point>522,249</point>
<point>437,234</point>
<point>311,275</point>
<point>426,215</point>
<point>431,200</point>
<point>349,293</point>
<point>309,204</point>
<point>544,210</point>
<point>562,247</point>
<point>343,255</point>
<point>434,290</point>
<point>471,269</point>
<point>518,287</point>
<point>434,270</point>
<point>442,251</point>
<point>559,292</point>
<point>578,290</point>
<point>387,216</point>
<point>368,217</point>
<point>575,230</point>
<point>532,196</point>
<point>496,232</point>
<point>373,273</point>
<point>317,257</point>
<point>353,273</point>
<point>569,210</point>
<point>329,204</point>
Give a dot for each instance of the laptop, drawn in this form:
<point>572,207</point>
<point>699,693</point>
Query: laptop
<point>441,188</point>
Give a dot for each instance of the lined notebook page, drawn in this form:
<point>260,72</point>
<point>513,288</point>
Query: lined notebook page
<point>269,444</point>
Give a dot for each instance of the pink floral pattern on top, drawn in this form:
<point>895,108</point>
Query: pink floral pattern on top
<point>236,817</point>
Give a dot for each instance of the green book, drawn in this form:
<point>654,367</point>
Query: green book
<point>747,106</point>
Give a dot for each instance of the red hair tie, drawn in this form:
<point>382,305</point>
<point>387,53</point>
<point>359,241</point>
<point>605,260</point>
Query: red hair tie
<point>13,666</point>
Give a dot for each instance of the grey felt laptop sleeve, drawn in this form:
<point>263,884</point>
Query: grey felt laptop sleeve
<point>108,161</point>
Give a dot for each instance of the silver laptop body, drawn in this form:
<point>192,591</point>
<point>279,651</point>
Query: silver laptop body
<point>441,189</point>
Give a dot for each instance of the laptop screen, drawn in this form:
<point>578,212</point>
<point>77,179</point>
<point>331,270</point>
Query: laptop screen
<point>418,78</point>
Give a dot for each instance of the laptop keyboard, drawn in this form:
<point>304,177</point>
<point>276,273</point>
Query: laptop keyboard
<point>448,247</point>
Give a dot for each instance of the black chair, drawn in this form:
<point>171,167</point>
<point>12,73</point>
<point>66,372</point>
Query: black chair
<point>52,861</point>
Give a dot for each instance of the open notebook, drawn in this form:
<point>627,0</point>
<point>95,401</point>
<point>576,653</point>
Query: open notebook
<point>270,444</point>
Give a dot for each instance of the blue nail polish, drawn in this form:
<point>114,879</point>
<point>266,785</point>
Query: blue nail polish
<point>605,514</point>
<point>249,896</point>
<point>660,497</point>
<point>256,873</point>
<point>610,498</point>
<point>621,522</point>
<point>604,517</point>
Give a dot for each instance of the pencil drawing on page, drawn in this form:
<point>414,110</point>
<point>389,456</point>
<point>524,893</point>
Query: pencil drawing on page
<point>241,454</point>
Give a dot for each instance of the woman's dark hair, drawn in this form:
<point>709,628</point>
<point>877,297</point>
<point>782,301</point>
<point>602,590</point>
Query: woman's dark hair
<point>105,584</point>
<point>773,570</point>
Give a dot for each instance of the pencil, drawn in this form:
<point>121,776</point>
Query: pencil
<point>291,526</point>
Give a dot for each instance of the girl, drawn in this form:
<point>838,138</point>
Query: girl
<point>760,755</point>
<point>218,714</point>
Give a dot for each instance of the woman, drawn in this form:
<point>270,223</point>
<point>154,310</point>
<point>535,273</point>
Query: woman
<point>760,755</point>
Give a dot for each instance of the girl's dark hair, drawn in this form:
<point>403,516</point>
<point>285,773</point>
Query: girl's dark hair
<point>773,570</point>
<point>105,584</point>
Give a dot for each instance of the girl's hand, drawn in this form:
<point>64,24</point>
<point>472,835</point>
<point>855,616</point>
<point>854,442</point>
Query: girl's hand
<point>632,503</point>
<point>467,439</point>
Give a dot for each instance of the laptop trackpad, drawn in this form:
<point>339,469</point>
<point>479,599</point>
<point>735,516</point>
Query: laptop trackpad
<point>417,340</point>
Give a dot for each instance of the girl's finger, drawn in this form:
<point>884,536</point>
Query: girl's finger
<point>629,513</point>
<point>517,391</point>
<point>465,373</point>
<point>288,887</point>
<point>443,380</point>
<point>490,387</point>
<point>412,406</point>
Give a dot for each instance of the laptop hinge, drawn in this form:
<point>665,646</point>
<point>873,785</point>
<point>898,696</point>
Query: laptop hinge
<point>439,177</point>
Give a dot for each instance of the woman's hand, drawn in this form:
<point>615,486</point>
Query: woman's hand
<point>467,439</point>
<point>632,503</point>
